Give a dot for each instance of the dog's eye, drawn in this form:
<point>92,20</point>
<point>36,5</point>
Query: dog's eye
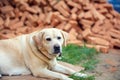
<point>58,37</point>
<point>48,39</point>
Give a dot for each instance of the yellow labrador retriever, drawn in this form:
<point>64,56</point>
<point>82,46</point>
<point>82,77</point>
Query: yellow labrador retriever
<point>35,54</point>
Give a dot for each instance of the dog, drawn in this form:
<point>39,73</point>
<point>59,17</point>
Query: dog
<point>35,54</point>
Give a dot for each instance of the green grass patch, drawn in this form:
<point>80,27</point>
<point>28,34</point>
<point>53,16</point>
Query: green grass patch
<point>81,78</point>
<point>83,56</point>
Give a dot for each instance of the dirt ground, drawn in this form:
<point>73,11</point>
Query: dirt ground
<point>108,68</point>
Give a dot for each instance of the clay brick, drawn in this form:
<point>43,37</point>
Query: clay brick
<point>86,22</point>
<point>7,21</point>
<point>86,32</point>
<point>7,36</point>
<point>104,49</point>
<point>5,31</point>
<point>97,15</point>
<point>106,36</point>
<point>75,42</point>
<point>115,42</point>
<point>61,25</point>
<point>88,15</point>
<point>73,22</point>
<point>113,69</point>
<point>97,27</point>
<point>6,9</point>
<point>81,15</point>
<point>99,41</point>
<point>67,26</point>
<point>103,11</point>
<point>47,9</point>
<point>72,37</point>
<point>109,16</point>
<point>55,22</point>
<point>114,35</point>
<point>49,17</point>
<point>12,22</point>
<point>73,4</point>
<point>22,30</point>
<point>80,37</point>
<point>62,8</point>
<point>74,10</point>
<point>115,31</point>
<point>108,6</point>
<point>52,2</point>
<point>16,25</point>
<point>73,32</point>
<point>41,17</point>
<point>114,13</point>
<point>1,21</point>
<point>74,16</point>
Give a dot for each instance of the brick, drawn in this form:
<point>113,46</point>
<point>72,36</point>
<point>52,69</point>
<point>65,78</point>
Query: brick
<point>61,25</point>
<point>108,6</point>
<point>22,30</point>
<point>73,22</point>
<point>86,22</point>
<point>62,8</point>
<point>88,15</point>
<point>114,35</point>
<point>74,10</point>
<point>114,13</point>
<point>49,17</point>
<point>55,22</point>
<point>97,27</point>
<point>16,25</point>
<point>73,16</point>
<point>98,41</point>
<point>80,37</point>
<point>75,42</point>
<point>86,32</point>
<point>6,9</point>
<point>109,16</point>
<point>7,22</point>
<point>73,4</point>
<point>103,11</point>
<point>52,2</point>
<point>81,15</point>
<point>104,49</point>
<point>7,36</point>
<point>97,15</point>
<point>67,27</point>
<point>73,32</point>
<point>1,21</point>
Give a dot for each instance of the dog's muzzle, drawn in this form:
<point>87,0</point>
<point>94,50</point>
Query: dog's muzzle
<point>57,49</point>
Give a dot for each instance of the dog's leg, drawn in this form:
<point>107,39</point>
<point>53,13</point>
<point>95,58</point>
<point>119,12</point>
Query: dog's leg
<point>66,70</point>
<point>50,74</point>
<point>0,75</point>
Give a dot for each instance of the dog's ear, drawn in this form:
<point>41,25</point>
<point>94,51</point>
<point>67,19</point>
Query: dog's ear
<point>38,38</point>
<point>65,37</point>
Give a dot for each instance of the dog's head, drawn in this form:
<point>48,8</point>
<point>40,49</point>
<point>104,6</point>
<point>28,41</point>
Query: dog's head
<point>52,40</point>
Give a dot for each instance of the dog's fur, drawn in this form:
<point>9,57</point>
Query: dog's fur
<point>34,54</point>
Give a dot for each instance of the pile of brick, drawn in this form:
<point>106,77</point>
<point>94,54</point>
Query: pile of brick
<point>94,22</point>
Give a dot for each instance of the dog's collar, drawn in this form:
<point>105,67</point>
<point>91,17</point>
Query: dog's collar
<point>35,51</point>
<point>44,54</point>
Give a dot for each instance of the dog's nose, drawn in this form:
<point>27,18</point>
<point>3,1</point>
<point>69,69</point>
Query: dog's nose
<point>56,49</point>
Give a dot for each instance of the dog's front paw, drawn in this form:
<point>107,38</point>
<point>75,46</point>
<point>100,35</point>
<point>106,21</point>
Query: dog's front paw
<point>67,79</point>
<point>0,75</point>
<point>80,74</point>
